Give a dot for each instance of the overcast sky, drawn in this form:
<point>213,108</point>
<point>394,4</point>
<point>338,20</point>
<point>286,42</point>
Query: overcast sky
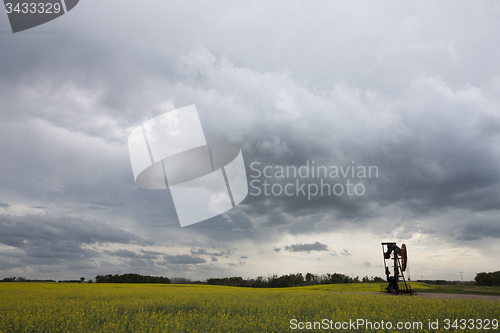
<point>410,88</point>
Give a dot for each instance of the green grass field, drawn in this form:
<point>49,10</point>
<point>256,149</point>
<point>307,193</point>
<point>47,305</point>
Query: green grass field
<point>57,307</point>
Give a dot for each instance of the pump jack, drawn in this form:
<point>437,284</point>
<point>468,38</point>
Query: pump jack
<point>397,283</point>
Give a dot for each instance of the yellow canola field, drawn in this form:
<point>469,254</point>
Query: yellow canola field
<point>57,307</point>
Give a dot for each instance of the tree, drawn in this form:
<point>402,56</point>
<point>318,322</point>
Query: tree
<point>488,279</point>
<point>82,279</point>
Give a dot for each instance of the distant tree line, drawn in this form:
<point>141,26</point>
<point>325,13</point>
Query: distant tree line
<point>488,279</point>
<point>290,280</point>
<point>130,278</point>
<point>21,279</point>
<point>275,281</point>
<point>440,282</point>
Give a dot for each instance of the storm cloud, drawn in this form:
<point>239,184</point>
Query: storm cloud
<point>409,90</point>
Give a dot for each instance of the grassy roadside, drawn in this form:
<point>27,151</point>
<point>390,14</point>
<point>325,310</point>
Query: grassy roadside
<point>417,286</point>
<point>459,289</point>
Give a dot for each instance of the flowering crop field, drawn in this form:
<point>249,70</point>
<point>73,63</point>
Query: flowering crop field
<point>59,307</point>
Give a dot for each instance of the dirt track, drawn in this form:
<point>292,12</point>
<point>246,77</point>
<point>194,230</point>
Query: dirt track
<point>461,296</point>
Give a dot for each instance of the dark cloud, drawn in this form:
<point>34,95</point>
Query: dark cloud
<point>22,232</point>
<point>316,246</point>
<point>43,241</point>
<point>198,251</point>
<point>131,254</point>
<point>478,229</point>
<point>4,205</point>
<point>184,259</point>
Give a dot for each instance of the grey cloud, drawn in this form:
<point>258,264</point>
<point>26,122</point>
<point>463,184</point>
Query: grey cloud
<point>345,253</point>
<point>19,231</point>
<point>150,254</point>
<point>231,264</point>
<point>423,176</point>
<point>107,203</point>
<point>316,246</point>
<point>478,229</point>
<point>140,263</point>
<point>422,171</point>
<point>47,240</point>
<point>184,259</point>
<point>144,261</point>
<point>4,205</point>
<point>123,254</point>
<point>98,208</point>
<point>203,251</point>
<point>131,254</point>
<point>198,251</point>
